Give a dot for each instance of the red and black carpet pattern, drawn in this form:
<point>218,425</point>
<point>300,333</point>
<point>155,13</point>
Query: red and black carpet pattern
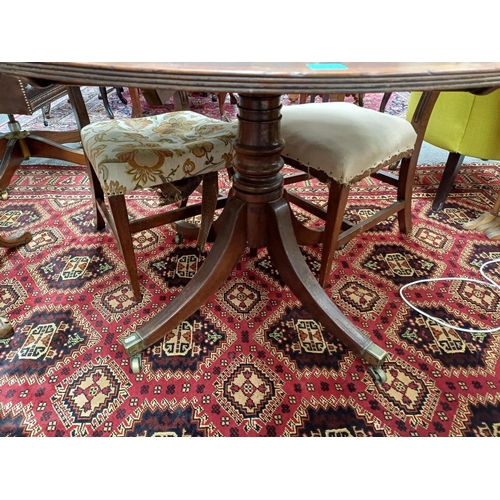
<point>252,361</point>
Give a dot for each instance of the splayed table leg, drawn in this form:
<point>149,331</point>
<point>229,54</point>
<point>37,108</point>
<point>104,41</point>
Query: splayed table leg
<point>258,216</point>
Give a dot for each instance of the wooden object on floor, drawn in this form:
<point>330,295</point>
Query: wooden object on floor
<point>341,144</point>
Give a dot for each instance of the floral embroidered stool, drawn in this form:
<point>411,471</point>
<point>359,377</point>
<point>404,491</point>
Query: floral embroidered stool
<point>172,153</point>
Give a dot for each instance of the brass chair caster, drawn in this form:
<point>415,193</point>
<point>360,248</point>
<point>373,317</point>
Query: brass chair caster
<point>4,195</point>
<point>178,239</point>
<point>136,363</point>
<point>375,357</point>
<point>379,375</point>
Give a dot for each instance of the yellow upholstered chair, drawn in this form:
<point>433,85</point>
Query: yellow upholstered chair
<point>340,143</point>
<point>465,125</point>
<point>172,152</point>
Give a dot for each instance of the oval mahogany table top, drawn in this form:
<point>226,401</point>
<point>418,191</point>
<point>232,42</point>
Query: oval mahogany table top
<point>267,77</point>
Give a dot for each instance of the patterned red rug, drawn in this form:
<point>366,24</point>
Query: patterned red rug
<point>251,361</point>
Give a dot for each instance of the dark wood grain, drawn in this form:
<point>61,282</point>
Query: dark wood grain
<point>254,77</point>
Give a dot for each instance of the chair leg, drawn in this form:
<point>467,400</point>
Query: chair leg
<point>181,101</point>
<point>385,100</point>
<point>97,196</point>
<point>221,96</point>
<point>404,193</point>
<point>119,91</point>
<point>136,102</point>
<point>451,169</point>
<point>337,201</point>
<point>208,206</point>
<point>104,96</point>
<point>123,236</point>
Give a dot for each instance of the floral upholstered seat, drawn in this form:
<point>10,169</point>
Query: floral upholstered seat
<point>173,152</point>
<point>137,153</point>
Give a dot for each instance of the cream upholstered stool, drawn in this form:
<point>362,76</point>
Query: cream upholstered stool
<point>340,143</point>
<point>172,152</point>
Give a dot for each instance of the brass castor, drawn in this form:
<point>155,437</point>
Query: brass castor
<point>178,239</point>
<point>136,363</point>
<point>375,357</point>
<point>4,195</point>
<point>378,374</point>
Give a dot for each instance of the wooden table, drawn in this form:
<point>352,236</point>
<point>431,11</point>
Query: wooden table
<point>257,215</point>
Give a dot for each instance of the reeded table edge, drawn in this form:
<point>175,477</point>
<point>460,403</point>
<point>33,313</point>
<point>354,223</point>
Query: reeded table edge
<point>228,78</point>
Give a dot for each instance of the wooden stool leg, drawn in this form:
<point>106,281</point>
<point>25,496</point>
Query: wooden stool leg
<point>136,102</point>
<point>405,190</point>
<point>97,196</point>
<point>123,235</point>
<point>208,204</point>
<point>337,201</point>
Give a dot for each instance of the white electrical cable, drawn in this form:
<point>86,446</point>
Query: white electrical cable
<point>490,282</point>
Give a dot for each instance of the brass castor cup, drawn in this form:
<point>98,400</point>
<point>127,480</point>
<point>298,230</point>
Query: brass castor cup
<point>375,356</point>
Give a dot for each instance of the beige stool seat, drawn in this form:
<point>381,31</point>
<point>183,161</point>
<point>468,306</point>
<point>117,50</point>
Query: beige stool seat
<point>340,143</point>
<point>168,152</point>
